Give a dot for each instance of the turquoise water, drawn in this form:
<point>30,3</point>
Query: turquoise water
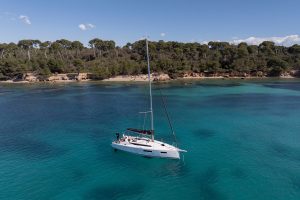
<point>242,137</point>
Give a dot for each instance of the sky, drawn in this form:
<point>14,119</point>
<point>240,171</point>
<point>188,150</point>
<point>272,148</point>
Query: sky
<point>123,21</point>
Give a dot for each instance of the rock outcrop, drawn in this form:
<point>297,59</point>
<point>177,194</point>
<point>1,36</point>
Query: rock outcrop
<point>58,77</point>
<point>295,73</point>
<point>161,77</point>
<point>81,76</point>
<point>30,77</point>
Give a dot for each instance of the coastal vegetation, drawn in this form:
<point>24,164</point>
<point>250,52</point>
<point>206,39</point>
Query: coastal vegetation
<point>103,59</point>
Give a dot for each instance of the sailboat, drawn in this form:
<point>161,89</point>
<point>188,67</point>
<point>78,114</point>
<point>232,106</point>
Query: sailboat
<point>143,143</point>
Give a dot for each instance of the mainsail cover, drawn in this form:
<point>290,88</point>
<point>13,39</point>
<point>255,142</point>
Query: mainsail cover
<point>146,132</point>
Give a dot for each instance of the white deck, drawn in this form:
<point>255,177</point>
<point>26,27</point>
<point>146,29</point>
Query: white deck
<point>146,147</point>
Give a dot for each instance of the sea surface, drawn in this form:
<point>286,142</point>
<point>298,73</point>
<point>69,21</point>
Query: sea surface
<point>242,138</point>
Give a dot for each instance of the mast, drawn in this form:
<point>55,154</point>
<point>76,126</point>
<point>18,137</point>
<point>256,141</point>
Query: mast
<point>150,91</point>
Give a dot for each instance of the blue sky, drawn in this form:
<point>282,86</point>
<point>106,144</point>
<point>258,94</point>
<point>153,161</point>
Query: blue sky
<point>129,20</point>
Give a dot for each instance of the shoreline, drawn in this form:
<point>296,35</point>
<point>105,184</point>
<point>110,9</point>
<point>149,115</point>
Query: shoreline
<point>144,78</point>
<point>38,82</point>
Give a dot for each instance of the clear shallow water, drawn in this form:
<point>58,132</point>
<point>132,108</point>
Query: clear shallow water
<point>242,137</point>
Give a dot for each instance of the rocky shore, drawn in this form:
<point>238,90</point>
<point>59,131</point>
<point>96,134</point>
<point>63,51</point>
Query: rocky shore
<point>156,77</point>
<point>55,78</point>
<point>192,75</point>
<point>139,78</point>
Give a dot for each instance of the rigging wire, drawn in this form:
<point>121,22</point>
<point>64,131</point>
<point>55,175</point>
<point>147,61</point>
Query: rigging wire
<point>168,116</point>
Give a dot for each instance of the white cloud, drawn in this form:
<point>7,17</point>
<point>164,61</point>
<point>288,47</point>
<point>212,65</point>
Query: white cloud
<point>285,40</point>
<point>25,19</point>
<point>162,34</point>
<point>82,27</point>
<point>85,27</point>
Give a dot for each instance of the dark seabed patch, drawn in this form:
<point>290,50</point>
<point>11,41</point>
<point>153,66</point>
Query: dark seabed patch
<point>206,185</point>
<point>234,100</point>
<point>209,176</point>
<point>280,150</point>
<point>289,86</point>
<point>285,152</point>
<point>208,192</point>
<point>221,84</point>
<point>115,191</point>
<point>252,101</point>
<point>31,149</point>
<point>238,173</point>
<point>194,84</point>
<point>205,133</point>
<point>78,175</point>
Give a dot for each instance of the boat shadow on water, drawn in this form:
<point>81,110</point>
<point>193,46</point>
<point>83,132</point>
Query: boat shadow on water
<point>159,167</point>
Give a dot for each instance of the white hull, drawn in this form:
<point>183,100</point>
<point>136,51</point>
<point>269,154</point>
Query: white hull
<point>146,147</point>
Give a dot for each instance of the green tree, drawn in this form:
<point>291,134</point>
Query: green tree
<point>55,66</point>
<point>44,46</point>
<point>277,66</point>
<point>26,45</point>
<point>78,46</point>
